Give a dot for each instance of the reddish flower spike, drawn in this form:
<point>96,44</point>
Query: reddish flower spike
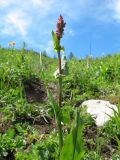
<point>60,27</point>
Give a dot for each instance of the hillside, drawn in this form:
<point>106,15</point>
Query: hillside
<point>27,123</point>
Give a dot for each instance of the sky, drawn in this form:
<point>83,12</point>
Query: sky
<point>91,24</point>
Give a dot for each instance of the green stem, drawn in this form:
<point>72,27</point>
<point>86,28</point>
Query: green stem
<point>60,131</point>
<point>60,80</point>
<point>60,100</point>
<point>76,134</point>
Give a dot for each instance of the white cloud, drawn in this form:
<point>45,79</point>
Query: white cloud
<point>115,5</point>
<point>15,22</point>
<point>5,2</point>
<point>34,19</point>
<point>109,11</point>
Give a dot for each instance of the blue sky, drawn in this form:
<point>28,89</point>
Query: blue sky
<point>88,21</point>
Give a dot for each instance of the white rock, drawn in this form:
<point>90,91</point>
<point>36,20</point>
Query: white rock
<point>99,110</point>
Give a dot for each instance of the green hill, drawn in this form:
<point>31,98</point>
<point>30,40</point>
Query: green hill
<point>27,125</point>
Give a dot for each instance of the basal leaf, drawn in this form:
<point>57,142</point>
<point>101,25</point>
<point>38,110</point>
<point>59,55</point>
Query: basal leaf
<point>73,145</point>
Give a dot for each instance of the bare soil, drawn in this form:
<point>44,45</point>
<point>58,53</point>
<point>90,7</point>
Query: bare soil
<point>90,136</point>
<point>35,91</point>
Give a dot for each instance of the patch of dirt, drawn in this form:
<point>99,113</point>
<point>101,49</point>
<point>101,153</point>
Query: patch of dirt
<point>35,91</point>
<point>47,128</point>
<point>43,124</point>
<point>90,133</point>
<point>107,149</point>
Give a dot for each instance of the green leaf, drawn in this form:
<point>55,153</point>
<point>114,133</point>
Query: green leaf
<point>55,42</point>
<point>75,151</point>
<point>66,112</point>
<point>65,117</point>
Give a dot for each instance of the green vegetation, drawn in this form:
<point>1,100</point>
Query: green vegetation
<point>27,125</point>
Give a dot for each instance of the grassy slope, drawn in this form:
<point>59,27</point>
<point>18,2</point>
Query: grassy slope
<point>88,78</point>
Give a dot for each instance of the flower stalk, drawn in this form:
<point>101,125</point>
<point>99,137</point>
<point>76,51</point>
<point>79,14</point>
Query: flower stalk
<point>57,47</point>
<point>60,104</point>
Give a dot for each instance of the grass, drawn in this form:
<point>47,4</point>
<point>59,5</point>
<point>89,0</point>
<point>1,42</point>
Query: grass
<point>28,130</point>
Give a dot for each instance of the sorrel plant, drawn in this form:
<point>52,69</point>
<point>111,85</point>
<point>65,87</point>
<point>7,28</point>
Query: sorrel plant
<point>57,48</point>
